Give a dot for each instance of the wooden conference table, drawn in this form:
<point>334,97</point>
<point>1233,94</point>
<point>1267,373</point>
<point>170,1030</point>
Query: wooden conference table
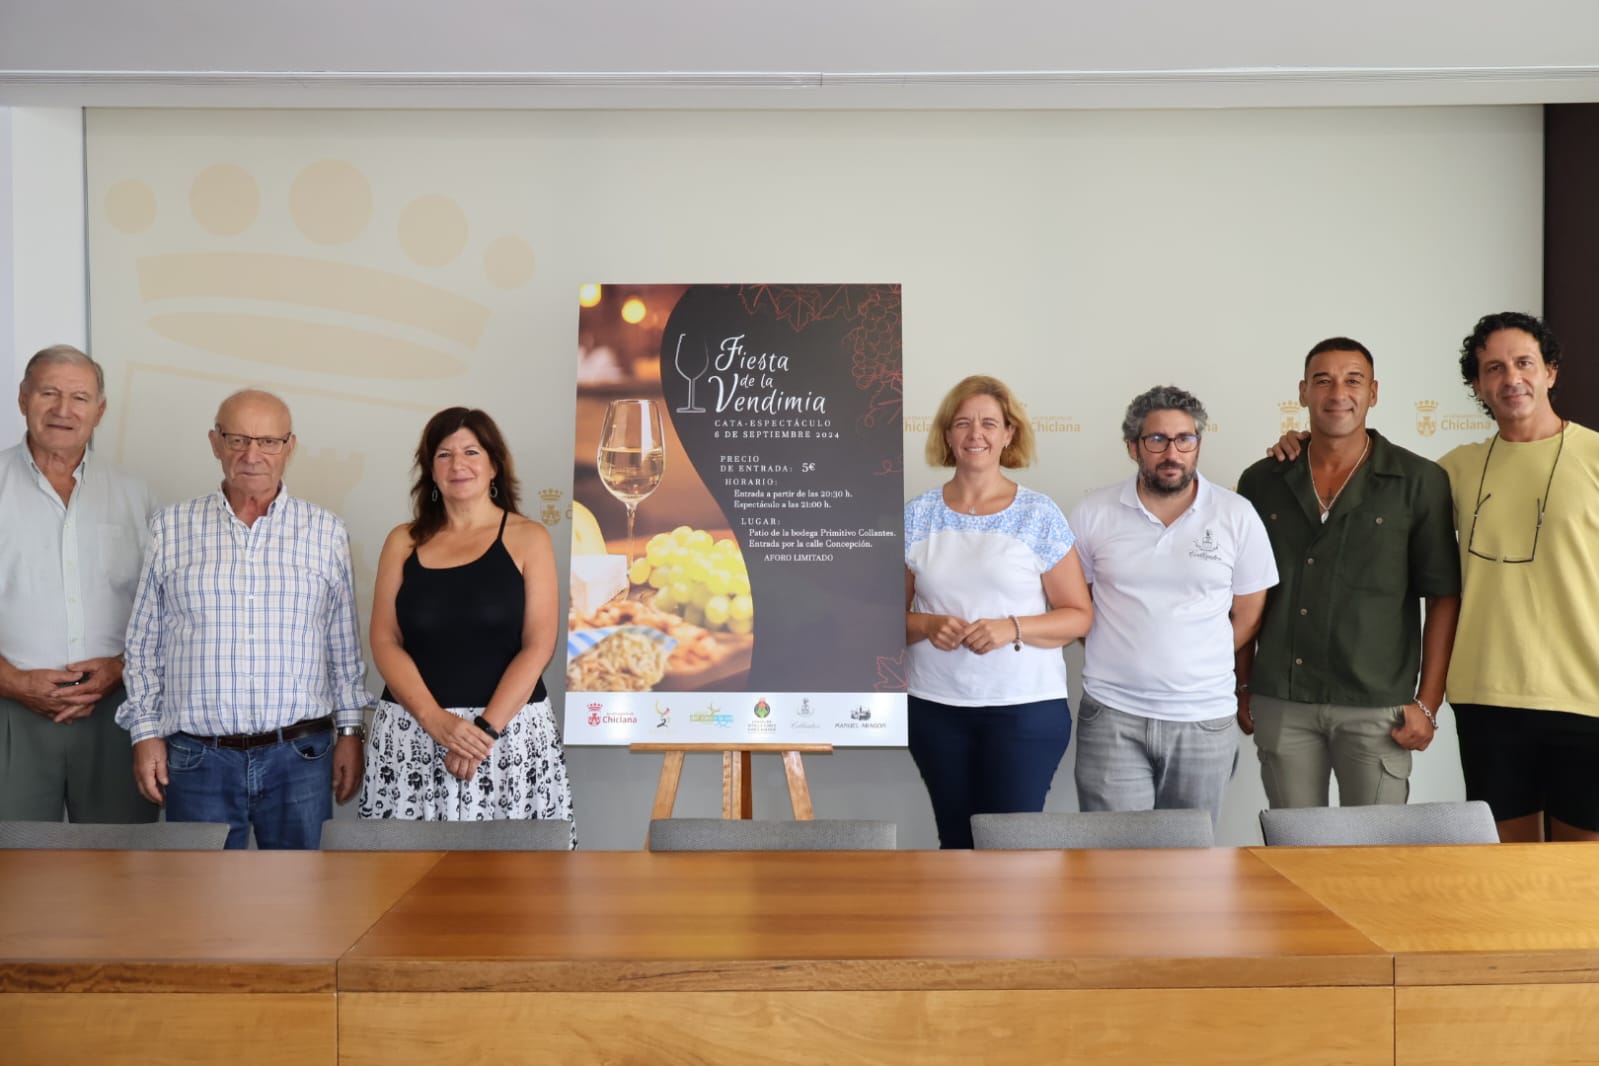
<point>1381,955</point>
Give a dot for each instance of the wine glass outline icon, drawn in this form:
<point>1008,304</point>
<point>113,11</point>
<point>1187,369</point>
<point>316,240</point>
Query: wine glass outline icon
<point>677,364</point>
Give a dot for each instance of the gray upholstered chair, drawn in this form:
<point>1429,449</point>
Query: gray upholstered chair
<point>735,834</point>
<point>1093,829</point>
<point>144,836</point>
<point>1392,823</point>
<point>399,834</point>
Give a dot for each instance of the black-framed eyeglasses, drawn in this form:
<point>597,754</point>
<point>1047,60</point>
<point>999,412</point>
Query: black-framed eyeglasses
<point>1543,504</point>
<point>238,442</point>
<point>1155,443</point>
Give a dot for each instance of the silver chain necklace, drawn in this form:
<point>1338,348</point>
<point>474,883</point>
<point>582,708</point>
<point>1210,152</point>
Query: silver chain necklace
<point>1326,508</point>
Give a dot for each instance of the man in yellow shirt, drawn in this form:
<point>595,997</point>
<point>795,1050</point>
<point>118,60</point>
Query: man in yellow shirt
<point>1524,677</point>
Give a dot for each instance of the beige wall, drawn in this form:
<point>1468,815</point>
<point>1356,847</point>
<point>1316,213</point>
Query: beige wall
<point>375,266</point>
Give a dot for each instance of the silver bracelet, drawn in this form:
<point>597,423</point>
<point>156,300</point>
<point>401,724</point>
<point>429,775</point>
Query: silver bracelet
<point>1426,710</point>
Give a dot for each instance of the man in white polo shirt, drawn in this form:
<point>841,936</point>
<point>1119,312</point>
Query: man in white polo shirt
<point>1179,570</point>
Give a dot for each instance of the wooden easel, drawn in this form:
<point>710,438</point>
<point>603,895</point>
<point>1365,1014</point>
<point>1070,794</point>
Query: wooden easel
<point>737,801</point>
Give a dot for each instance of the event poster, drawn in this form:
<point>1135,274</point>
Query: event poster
<point>737,566</point>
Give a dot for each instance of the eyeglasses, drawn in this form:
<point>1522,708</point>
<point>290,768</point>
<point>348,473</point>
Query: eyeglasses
<point>1543,503</point>
<point>1157,443</point>
<point>238,442</point>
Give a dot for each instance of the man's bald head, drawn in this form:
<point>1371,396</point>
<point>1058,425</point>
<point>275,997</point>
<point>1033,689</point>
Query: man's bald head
<point>255,401</point>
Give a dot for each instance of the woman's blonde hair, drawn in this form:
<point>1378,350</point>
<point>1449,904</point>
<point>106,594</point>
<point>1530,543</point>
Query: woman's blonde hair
<point>1019,452</point>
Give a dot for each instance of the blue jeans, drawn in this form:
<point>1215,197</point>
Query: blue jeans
<point>986,760</point>
<point>1126,762</point>
<point>284,790</point>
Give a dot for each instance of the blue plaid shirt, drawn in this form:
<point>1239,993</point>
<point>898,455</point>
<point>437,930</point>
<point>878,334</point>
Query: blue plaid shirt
<point>243,629</point>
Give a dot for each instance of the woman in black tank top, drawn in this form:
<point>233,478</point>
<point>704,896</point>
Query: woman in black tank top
<point>463,624</point>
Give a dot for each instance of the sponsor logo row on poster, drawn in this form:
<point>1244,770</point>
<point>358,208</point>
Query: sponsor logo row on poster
<point>849,718</point>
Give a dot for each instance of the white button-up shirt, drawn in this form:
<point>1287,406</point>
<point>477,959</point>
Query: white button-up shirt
<point>243,628</point>
<point>67,570</point>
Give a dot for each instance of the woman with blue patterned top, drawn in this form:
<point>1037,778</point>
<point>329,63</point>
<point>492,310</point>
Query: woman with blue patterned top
<point>993,591</point>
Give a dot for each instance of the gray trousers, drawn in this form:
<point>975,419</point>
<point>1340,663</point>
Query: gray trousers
<point>83,767</point>
<point>1127,762</point>
<point>1302,744</point>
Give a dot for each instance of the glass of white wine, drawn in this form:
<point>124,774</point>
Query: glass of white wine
<point>632,456</point>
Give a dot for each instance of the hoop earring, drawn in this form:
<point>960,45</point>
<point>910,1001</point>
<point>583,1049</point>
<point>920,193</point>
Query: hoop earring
<point>435,497</point>
<point>494,490</point>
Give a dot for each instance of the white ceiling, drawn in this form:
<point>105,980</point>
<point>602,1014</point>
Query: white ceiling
<point>819,54</point>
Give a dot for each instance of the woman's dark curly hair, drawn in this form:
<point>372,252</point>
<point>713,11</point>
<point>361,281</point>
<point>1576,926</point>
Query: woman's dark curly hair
<point>1487,326</point>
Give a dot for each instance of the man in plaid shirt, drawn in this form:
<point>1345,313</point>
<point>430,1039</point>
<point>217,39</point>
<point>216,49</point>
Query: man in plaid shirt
<point>244,671</point>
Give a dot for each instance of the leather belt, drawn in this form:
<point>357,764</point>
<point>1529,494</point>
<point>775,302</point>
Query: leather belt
<point>246,741</point>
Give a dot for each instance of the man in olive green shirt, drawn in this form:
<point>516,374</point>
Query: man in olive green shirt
<point>1363,531</point>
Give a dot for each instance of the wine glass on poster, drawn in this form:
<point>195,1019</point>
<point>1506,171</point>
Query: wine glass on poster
<point>632,456</point>
<point>690,370</point>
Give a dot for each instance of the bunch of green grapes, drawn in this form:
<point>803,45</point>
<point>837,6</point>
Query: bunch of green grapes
<point>698,577</point>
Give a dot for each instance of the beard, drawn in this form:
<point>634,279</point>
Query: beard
<point>1152,479</point>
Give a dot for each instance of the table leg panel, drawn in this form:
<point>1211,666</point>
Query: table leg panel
<point>1463,1025</point>
<point>995,1027</point>
<point>175,1029</point>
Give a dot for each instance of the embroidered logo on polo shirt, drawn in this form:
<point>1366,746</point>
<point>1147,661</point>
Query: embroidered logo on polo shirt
<point>1206,547</point>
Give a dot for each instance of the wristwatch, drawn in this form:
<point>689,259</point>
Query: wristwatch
<point>357,731</point>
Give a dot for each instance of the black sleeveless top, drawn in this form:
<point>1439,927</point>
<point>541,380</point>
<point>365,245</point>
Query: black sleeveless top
<point>462,625</point>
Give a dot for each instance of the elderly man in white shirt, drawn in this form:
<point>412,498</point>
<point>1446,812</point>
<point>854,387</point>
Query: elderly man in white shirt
<point>1179,570</point>
<point>74,533</point>
<point>244,658</point>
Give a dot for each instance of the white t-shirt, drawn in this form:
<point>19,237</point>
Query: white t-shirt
<point>1162,644</point>
<point>984,566</point>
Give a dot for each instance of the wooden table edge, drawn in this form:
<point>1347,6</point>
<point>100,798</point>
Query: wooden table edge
<point>723,975</point>
<point>209,976</point>
<point>1554,967</point>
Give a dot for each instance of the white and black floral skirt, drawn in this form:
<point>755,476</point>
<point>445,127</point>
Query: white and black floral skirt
<point>523,777</point>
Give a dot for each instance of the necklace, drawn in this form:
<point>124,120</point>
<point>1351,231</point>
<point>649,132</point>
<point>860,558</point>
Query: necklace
<point>1327,506</point>
<point>970,507</point>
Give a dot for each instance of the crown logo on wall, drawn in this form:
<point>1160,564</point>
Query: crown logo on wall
<point>1424,423</point>
<point>550,513</point>
<point>1291,410</point>
<point>315,310</point>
